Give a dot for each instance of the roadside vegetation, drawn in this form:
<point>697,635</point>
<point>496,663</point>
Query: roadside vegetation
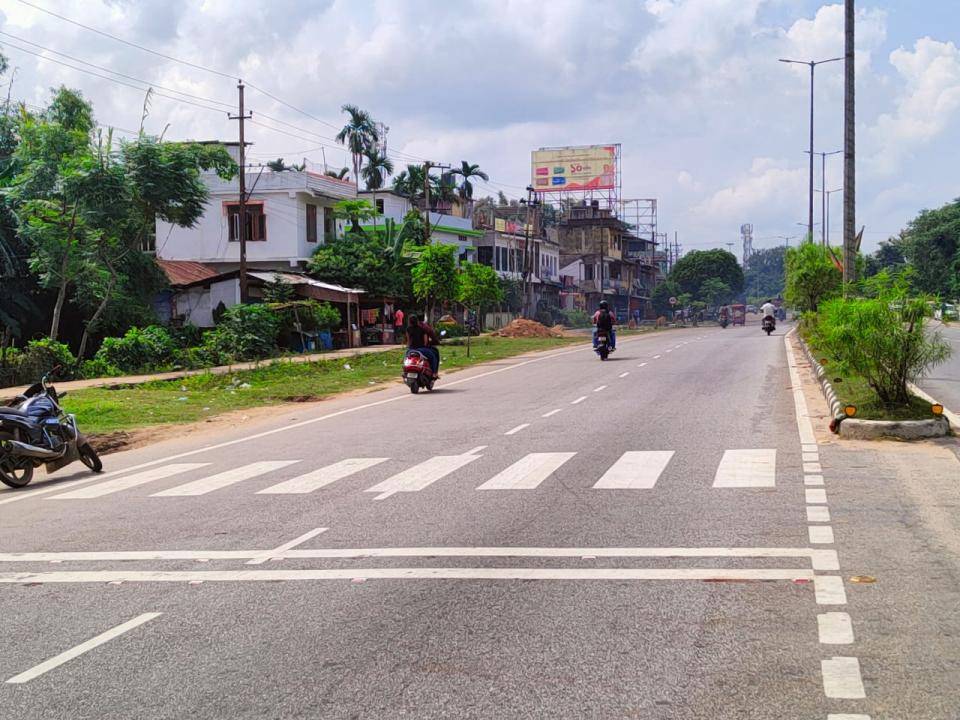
<point>125,408</point>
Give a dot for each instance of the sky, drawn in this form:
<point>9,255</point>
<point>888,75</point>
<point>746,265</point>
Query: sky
<point>709,122</point>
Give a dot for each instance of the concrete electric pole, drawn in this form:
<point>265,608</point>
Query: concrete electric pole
<point>242,214</point>
<point>849,151</point>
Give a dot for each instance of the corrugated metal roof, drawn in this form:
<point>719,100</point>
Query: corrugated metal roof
<point>185,272</point>
<point>295,279</point>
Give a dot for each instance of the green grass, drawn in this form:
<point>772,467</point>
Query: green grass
<point>105,410</point>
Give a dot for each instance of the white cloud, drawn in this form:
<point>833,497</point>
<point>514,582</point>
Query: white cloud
<point>770,191</point>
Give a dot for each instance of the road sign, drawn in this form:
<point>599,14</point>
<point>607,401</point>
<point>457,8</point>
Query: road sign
<point>673,301</point>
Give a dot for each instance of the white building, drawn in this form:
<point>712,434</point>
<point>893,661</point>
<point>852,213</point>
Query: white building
<point>289,214</point>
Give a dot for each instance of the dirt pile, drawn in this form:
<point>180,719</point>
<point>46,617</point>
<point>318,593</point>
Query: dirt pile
<point>523,328</point>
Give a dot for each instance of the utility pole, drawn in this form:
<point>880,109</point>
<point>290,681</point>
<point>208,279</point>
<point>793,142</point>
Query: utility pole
<point>813,66</point>
<point>426,200</point>
<point>823,194</point>
<point>849,150</point>
<point>242,215</point>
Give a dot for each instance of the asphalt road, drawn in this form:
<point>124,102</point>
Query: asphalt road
<point>943,382</point>
<point>544,537</point>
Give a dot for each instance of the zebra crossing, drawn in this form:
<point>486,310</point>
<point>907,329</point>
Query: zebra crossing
<point>633,470</point>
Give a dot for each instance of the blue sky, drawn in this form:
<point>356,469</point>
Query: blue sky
<point>710,123</point>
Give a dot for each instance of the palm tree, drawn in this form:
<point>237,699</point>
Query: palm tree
<point>409,183</point>
<point>338,174</point>
<point>359,135</point>
<point>377,168</point>
<point>467,171</point>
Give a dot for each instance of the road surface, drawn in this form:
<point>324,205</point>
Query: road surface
<point>658,536</point>
<point>943,383</point>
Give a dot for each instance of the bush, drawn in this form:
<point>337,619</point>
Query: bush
<point>246,332</point>
<point>811,276</point>
<point>41,356</point>
<point>186,336</point>
<point>139,350</point>
<point>575,318</point>
<point>453,330</point>
<point>98,368</point>
<point>882,340</point>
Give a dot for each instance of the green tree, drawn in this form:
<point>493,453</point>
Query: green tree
<point>931,244</point>
<point>660,299</point>
<point>467,171</point>
<point>338,174</point>
<point>811,277</point>
<point>377,169</point>
<point>359,134</point>
<point>695,268</point>
<point>479,286</point>
<point>715,292</point>
<point>435,275</point>
<point>764,275</point>
<point>355,211</point>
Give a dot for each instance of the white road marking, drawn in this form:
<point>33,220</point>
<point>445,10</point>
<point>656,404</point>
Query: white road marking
<point>602,387</point>
<point>813,480</point>
<point>635,470</point>
<point>552,413</point>
<point>224,479</point>
<point>657,357</point>
<point>820,534</point>
<point>820,559</point>
<point>517,429</point>
<point>816,496</point>
<point>810,448</point>
<point>835,628</point>
<point>64,657</point>
<point>579,400</point>
<point>847,716</point>
<point>420,476</point>
<point>642,364</point>
<point>669,350</point>
<point>528,472</point>
<point>812,467</point>
<point>747,468</point>
<point>277,552</point>
<point>811,457</point>
<point>415,573</point>
<point>128,481</point>
<point>841,678</point>
<point>623,375</point>
<point>829,590</point>
<point>804,426</point>
<point>322,477</point>
<point>818,513</point>
<point>477,449</point>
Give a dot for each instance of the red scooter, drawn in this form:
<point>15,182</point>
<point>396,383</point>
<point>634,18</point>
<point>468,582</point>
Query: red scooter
<point>417,372</point>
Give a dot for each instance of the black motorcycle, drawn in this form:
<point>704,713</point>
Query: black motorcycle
<point>769,324</point>
<point>35,431</point>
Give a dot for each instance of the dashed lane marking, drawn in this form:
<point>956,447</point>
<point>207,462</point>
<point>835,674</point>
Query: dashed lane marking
<point>602,387</point>
<point>579,400</point>
<point>835,628</point>
<point>841,678</point>
<point>517,429</point>
<point>818,513</point>
<point>829,590</point>
<point>820,534</point>
<point>552,413</point>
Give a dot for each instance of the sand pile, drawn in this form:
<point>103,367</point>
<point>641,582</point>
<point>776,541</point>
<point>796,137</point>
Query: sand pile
<point>523,328</point>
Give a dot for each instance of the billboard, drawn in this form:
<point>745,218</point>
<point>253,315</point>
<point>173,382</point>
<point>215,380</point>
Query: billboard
<point>511,227</point>
<point>588,167</point>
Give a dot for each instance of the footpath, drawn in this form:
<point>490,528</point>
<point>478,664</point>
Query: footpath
<point>8,393</point>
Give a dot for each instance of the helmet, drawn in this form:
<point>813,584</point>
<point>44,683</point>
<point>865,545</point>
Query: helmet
<point>603,305</point>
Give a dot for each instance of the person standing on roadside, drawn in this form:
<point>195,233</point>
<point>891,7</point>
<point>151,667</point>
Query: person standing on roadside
<point>398,326</point>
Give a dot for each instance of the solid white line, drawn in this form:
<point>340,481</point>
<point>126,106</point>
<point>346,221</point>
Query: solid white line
<point>813,480</point>
<point>820,559</point>
<point>602,387</point>
<point>804,426</point>
<point>477,449</point>
<point>952,417</point>
<point>812,467</point>
<point>24,495</point>
<point>623,375</point>
<point>746,468</point>
<point>846,716</point>
<point>128,481</point>
<point>528,472</point>
<point>420,476</point>
<point>415,573</point>
<point>579,400</point>
<point>224,479</point>
<point>820,534</point>
<point>829,590</point>
<point>816,496</point>
<point>48,665</point>
<point>552,412</point>
<point>841,678</point>
<point>517,429</point>
<point>322,477</point>
<point>818,513</point>
<point>835,628</point>
<point>635,470</point>
<point>276,552</point>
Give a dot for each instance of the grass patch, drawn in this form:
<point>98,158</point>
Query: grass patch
<point>104,410</point>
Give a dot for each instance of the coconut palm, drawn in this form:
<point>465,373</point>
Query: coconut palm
<point>467,171</point>
<point>338,174</point>
<point>359,135</point>
<point>377,168</point>
<point>409,183</point>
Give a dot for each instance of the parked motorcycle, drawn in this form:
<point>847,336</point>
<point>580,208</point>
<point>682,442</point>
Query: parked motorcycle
<point>35,431</point>
<point>603,345</point>
<point>417,372</point>
<point>769,324</point>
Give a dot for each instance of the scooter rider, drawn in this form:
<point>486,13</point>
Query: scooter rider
<point>603,319</point>
<point>768,310</point>
<point>423,338</point>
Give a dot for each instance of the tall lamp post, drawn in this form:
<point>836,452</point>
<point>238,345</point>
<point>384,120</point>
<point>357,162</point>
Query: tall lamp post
<point>812,64</point>
<point>823,197</point>
<point>828,193</point>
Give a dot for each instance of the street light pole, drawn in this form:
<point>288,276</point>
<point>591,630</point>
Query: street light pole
<point>812,64</point>
<point>828,194</point>
<point>823,197</point>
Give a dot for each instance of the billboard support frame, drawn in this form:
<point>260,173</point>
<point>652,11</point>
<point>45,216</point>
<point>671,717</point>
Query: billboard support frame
<point>608,198</point>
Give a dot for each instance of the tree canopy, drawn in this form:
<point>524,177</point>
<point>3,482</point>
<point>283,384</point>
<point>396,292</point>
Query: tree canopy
<point>695,268</point>
<point>931,245</point>
<point>812,277</point>
<point>764,275</point>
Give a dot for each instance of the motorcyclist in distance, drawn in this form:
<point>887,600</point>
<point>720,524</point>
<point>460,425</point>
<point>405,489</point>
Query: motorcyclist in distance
<point>603,319</point>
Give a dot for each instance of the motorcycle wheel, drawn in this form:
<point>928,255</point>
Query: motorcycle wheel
<point>769,330</point>
<point>13,475</point>
<point>430,385</point>
<point>414,387</point>
<point>89,457</point>
<point>604,353</point>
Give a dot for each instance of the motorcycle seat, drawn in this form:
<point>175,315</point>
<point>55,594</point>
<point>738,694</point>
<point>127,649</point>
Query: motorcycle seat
<point>14,411</point>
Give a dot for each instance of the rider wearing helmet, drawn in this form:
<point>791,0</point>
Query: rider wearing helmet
<point>604,319</point>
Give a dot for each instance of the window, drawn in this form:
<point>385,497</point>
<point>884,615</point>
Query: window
<point>311,223</point>
<point>588,272</point>
<point>502,259</point>
<point>485,255</point>
<point>256,225</point>
<point>329,226</point>
<point>380,205</point>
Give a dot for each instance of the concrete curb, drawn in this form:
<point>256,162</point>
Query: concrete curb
<point>951,417</point>
<point>857,429</point>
